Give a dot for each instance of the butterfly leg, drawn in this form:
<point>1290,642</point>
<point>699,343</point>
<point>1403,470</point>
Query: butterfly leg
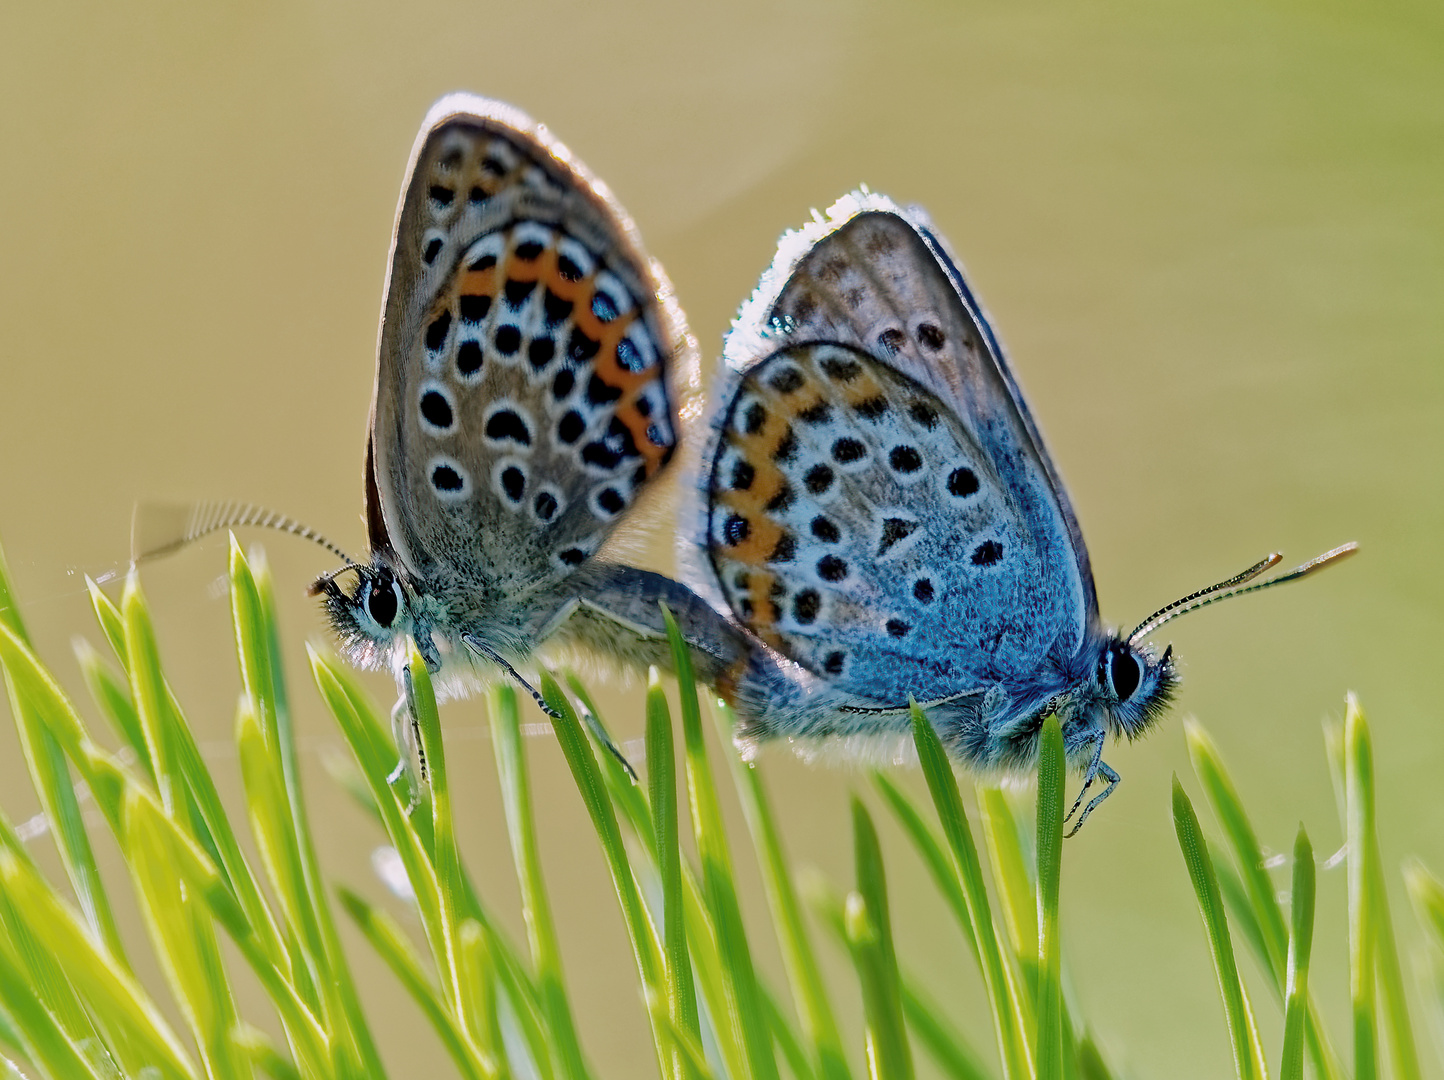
<point>1113,778</point>
<point>1091,773</point>
<point>406,730</point>
<point>603,736</point>
<point>485,651</point>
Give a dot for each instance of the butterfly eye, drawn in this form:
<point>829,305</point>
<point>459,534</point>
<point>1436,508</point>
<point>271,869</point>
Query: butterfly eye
<point>381,602</point>
<point>1123,672</point>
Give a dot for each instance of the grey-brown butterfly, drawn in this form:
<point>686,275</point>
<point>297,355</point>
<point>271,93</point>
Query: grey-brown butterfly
<point>530,367</point>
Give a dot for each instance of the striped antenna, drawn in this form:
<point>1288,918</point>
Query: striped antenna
<point>1237,586</point>
<point>158,529</point>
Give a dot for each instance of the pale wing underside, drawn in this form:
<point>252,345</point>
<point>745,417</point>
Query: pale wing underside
<point>858,527</point>
<point>872,279</point>
<point>522,398</point>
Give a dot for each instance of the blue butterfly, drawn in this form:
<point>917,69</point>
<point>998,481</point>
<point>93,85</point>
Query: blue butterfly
<point>878,509</point>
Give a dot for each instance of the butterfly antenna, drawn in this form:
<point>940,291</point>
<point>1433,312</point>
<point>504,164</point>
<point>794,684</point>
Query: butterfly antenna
<point>159,529</point>
<point>1237,586</point>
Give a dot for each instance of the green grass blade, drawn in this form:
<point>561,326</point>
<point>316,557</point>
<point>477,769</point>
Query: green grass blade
<point>819,1023</point>
<point>947,1045</point>
<point>1248,855</point>
<point>625,790</point>
<point>1052,771</point>
<point>1091,1065</point>
<point>478,968</point>
<point>930,846</point>
<point>1012,874</point>
<point>391,944</point>
<point>1359,818</point>
<point>1249,893</point>
<point>719,888</point>
<point>1008,1025</point>
<point>344,999</point>
<point>112,694</point>
<point>796,1056</point>
<point>184,938</point>
<point>1247,1055</point>
<point>681,994</point>
<point>106,985</point>
<point>646,948</point>
<point>869,932</point>
<point>1301,936</point>
<point>263,1055</point>
<point>535,904</point>
<point>40,1036</point>
<point>51,778</point>
<point>942,1040</point>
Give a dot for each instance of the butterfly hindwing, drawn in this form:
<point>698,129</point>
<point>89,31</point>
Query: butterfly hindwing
<point>879,506</point>
<point>522,397</point>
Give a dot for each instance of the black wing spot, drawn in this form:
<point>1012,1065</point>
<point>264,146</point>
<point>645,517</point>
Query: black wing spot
<point>528,250</point>
<point>833,664</point>
<point>568,268</point>
<point>513,482</point>
<point>476,195</point>
<point>820,413</point>
<point>570,427</point>
<point>897,628</point>
<point>469,358</point>
<point>735,530</point>
<point>557,308</point>
<point>787,380</point>
<point>845,451</point>
<point>545,505</point>
<point>610,500</point>
<point>433,249</point>
<point>508,340</point>
<point>445,478</point>
<point>540,352</point>
<point>580,347</point>
<point>805,607</point>
<point>436,409</point>
<point>517,293</point>
<point>923,591</point>
<point>894,530</point>
<point>818,479</point>
<point>782,499</point>
<point>891,340</point>
<point>931,336</point>
<point>923,414</point>
<point>754,418</point>
<point>786,449</point>
<point>742,582</point>
<point>987,553</point>
<point>484,262</point>
<point>474,308</point>
<point>441,195</point>
<point>506,424</point>
<point>905,459</point>
<point>601,392</point>
<point>873,408</point>
<point>785,550</point>
<point>598,453</point>
<point>825,530</point>
<point>841,369</point>
<point>573,556</point>
<point>831,568</point>
<point>563,383</point>
<point>962,482</point>
<point>437,331</point>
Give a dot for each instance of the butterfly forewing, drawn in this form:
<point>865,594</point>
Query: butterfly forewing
<point>522,397</point>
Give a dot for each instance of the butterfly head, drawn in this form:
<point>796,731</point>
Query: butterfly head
<point>1134,685</point>
<point>375,617</point>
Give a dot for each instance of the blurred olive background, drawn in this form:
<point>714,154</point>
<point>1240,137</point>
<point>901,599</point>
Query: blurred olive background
<point>1211,234</point>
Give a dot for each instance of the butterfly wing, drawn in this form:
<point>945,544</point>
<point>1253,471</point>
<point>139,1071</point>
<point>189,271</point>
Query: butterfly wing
<point>522,390</point>
<point>879,506</point>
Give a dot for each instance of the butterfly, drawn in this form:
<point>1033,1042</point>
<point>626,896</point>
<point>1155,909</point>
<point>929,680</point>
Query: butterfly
<point>531,363</point>
<point>877,508</point>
